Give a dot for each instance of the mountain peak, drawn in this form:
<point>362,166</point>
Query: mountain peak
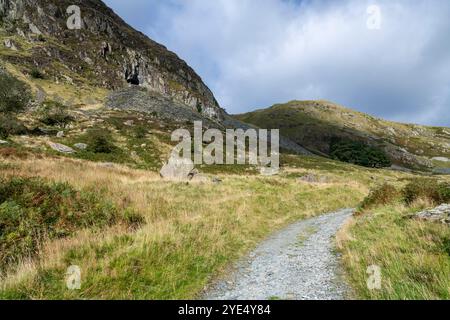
<point>105,52</point>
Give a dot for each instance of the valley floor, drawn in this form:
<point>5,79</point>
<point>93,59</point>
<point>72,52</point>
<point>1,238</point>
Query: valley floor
<point>189,235</point>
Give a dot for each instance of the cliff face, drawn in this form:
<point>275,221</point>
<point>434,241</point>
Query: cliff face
<point>104,52</point>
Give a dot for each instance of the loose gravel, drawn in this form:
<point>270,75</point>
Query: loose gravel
<point>298,263</point>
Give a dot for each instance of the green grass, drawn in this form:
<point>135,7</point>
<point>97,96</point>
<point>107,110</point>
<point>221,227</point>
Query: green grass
<point>413,255</point>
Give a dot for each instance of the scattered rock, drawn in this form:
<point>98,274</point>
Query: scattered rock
<point>106,165</point>
<point>61,148</point>
<point>312,178</point>
<point>193,174</point>
<point>34,29</point>
<point>442,159</point>
<point>60,134</point>
<point>269,171</point>
<point>178,169</point>
<point>198,177</point>
<point>129,123</point>
<point>81,146</point>
<point>440,214</point>
<point>400,168</point>
<point>135,156</point>
<point>10,44</point>
<point>441,171</point>
<point>3,142</point>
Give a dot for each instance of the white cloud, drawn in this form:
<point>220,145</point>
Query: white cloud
<point>253,53</point>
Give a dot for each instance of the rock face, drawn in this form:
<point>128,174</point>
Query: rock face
<point>440,214</point>
<point>104,52</point>
<point>141,100</point>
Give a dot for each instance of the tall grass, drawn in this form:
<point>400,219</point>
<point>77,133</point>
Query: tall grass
<point>413,255</point>
<point>191,232</point>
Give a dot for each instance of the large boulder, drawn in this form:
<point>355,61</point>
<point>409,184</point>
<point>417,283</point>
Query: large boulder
<point>178,169</point>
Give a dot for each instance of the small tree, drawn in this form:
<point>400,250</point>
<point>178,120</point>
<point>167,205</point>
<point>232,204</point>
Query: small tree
<point>100,141</point>
<point>14,94</point>
<point>36,74</point>
<point>55,114</point>
<point>358,153</point>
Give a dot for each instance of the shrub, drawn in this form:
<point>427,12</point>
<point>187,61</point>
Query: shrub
<point>140,132</point>
<point>199,108</point>
<point>14,94</point>
<point>10,126</point>
<point>358,153</point>
<point>100,141</point>
<point>32,211</point>
<point>55,114</point>
<point>444,192</point>
<point>36,74</point>
<point>428,189</point>
<point>382,195</point>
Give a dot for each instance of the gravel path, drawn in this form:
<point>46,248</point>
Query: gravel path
<point>298,263</point>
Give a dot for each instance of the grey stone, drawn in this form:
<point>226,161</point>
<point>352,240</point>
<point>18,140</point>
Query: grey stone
<point>61,148</point>
<point>34,29</point>
<point>10,44</point>
<point>3,142</point>
<point>442,159</point>
<point>312,178</point>
<point>440,214</point>
<point>80,146</point>
<point>178,169</point>
<point>60,134</point>
<point>106,165</point>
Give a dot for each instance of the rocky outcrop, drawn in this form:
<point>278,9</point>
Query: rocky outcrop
<point>440,214</point>
<point>163,107</point>
<point>104,52</point>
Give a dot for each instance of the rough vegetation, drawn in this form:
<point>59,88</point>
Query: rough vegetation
<point>33,211</point>
<point>410,250</point>
<point>183,243</point>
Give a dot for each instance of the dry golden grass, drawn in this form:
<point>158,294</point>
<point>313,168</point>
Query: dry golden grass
<point>192,232</point>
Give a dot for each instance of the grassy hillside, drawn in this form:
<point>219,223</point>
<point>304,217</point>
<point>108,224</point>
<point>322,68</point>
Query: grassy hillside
<point>190,232</point>
<point>314,124</point>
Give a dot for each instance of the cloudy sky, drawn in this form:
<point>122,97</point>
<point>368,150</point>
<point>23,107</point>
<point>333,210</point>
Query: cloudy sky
<point>389,58</point>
